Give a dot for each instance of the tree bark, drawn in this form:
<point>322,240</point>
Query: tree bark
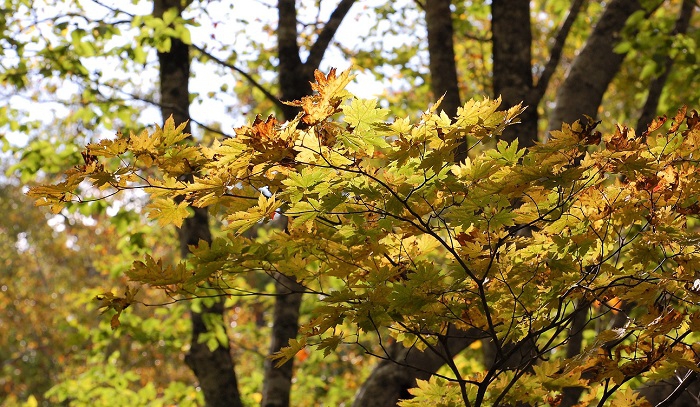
<point>214,370</point>
<point>594,67</point>
<point>571,395</point>
<point>390,380</point>
<point>657,85</point>
<point>278,381</point>
<point>512,65</point>
<point>294,79</point>
<point>443,69</point>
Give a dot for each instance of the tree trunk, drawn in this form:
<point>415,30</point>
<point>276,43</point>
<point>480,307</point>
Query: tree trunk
<point>294,78</point>
<point>278,381</point>
<point>594,67</point>
<point>571,395</point>
<point>294,83</point>
<point>214,370</point>
<point>443,69</point>
<point>657,85</point>
<point>512,65</point>
<point>390,380</point>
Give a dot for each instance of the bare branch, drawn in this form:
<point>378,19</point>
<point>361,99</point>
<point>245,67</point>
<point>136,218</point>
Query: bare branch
<point>246,75</point>
<point>324,38</point>
<point>689,378</point>
<point>556,51</point>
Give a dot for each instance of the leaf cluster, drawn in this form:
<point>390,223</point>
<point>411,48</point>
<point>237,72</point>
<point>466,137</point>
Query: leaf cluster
<point>389,233</point>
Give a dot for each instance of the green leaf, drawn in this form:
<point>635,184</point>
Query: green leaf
<point>363,114</point>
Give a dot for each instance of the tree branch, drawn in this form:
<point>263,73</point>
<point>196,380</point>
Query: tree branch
<point>555,52</point>
<point>327,33</point>
<point>657,85</point>
<point>250,79</point>
<point>689,378</point>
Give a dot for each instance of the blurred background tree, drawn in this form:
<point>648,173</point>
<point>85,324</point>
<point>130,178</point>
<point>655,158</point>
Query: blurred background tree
<point>78,71</point>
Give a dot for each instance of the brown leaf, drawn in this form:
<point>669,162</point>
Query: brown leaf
<point>114,322</point>
<point>655,125</point>
<point>678,120</point>
<point>693,119</point>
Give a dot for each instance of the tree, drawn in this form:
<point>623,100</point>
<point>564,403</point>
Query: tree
<point>294,82</point>
<point>166,31</point>
<point>79,43</point>
<point>394,237</point>
<point>51,335</point>
<point>214,367</point>
<point>594,67</point>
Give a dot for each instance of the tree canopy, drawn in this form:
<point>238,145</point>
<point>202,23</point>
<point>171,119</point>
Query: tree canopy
<point>391,235</point>
<point>383,244</point>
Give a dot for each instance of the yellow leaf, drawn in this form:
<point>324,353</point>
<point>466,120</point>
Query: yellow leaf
<point>108,148</point>
<point>167,212</point>
<point>331,92</point>
<point>172,134</point>
<point>144,143</point>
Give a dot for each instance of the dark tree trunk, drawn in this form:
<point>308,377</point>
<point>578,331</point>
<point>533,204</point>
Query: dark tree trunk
<point>278,380</point>
<point>294,80</point>
<point>571,395</point>
<point>512,65</point>
<point>294,77</point>
<point>443,69</point>
<point>214,370</point>
<point>390,380</point>
<point>594,67</point>
<point>657,85</point>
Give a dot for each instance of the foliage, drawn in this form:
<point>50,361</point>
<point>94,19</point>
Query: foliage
<point>51,332</point>
<point>649,38</point>
<point>388,233</point>
<point>107,384</point>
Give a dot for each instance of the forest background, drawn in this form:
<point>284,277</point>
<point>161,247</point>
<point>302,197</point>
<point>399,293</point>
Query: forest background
<point>75,73</point>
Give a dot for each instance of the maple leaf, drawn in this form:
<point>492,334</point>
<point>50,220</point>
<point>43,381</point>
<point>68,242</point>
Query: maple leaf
<point>243,220</point>
<point>171,134</point>
<point>108,148</point>
<point>108,301</point>
<point>508,153</point>
<point>362,114</point>
<point>364,118</point>
<point>434,392</point>
<point>154,273</point>
<point>144,143</point>
<point>264,137</point>
<point>476,112</point>
<point>167,212</point>
<point>285,354</point>
<point>331,92</point>
<point>629,398</point>
<point>330,344</point>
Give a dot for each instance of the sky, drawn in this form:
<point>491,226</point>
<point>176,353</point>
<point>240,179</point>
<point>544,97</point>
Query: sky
<point>224,24</point>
